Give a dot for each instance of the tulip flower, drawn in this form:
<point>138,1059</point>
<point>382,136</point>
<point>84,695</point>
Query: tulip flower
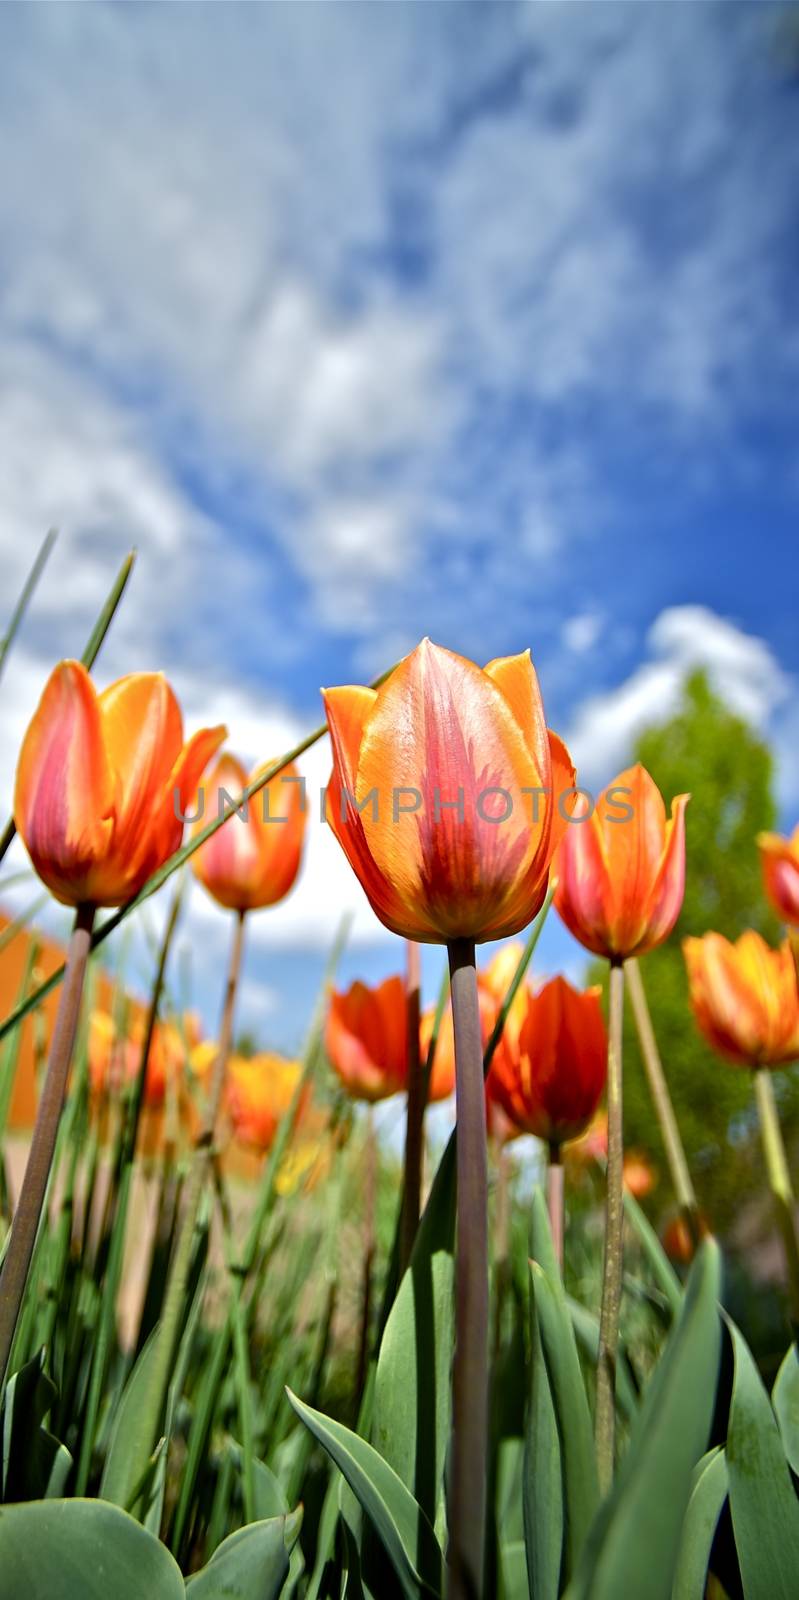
<point>779,860</point>
<point>552,1086</point>
<point>433,798</point>
<point>260,1091</point>
<point>114,1061</point>
<point>102,783</point>
<point>254,859</point>
<point>621,870</point>
<point>744,997</point>
<point>620,884</point>
<point>367,1040</point>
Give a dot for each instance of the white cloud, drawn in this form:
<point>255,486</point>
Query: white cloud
<point>581,632</point>
<point>742,670</point>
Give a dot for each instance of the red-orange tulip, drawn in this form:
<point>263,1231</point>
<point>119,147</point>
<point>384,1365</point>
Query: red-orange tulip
<point>621,870</point>
<point>367,1042</point>
<point>254,859</point>
<point>103,781</point>
<point>745,998</point>
<point>260,1091</point>
<point>552,1083</point>
<point>447,794</point>
<point>779,859</point>
<point>114,1061</point>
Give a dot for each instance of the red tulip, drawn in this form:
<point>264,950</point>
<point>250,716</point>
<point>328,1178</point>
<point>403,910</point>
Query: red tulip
<point>779,859</point>
<point>552,1084</point>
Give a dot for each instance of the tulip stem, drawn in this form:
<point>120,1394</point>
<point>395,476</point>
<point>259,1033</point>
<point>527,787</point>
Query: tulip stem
<point>605,1421</point>
<point>369,1200</point>
<point>780,1181</point>
<point>468,1454</point>
<point>664,1110</point>
<point>30,1205</point>
<point>174,1303</point>
<point>414,1132</point>
<point>555,1200</point>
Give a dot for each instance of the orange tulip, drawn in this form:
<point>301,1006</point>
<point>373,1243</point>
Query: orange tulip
<point>254,859</point>
<point>639,1175</point>
<point>447,794</point>
<point>779,860</point>
<point>260,1091</point>
<point>745,998</point>
<point>114,1060</point>
<point>551,1084</point>
<point>621,878</point>
<point>367,1039</point>
<point>102,783</point>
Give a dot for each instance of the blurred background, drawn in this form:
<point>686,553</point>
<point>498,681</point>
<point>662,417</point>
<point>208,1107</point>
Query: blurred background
<point>365,322</point>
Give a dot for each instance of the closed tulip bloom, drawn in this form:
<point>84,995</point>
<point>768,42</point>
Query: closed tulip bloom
<point>621,870</point>
<point>779,860</point>
<point>745,998</point>
<point>254,859</point>
<point>103,781</point>
<point>552,1085</point>
<point>445,794</point>
<point>260,1091</point>
<point>367,1039</point>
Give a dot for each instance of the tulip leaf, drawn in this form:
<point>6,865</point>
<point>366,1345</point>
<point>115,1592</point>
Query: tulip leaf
<point>543,1480</point>
<point>785,1400</point>
<point>405,1531</point>
<point>128,1450</point>
<point>572,1415</point>
<point>82,1550</point>
<point>512,1571</point>
<point>765,1510</point>
<point>699,1528</point>
<point>252,1561</point>
<point>35,1465</point>
<point>412,1400</point>
<point>586,1332</point>
<point>633,1544</point>
<point>661,1268</point>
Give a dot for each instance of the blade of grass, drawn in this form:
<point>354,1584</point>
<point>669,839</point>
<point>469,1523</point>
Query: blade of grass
<point>40,562</point>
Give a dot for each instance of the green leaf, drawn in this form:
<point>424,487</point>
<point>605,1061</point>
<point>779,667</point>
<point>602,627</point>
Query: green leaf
<point>253,1561</point>
<point>661,1268</point>
<point>785,1400</point>
<point>699,1528</point>
<point>572,1414</point>
<point>128,1449</point>
<point>82,1550</point>
<point>633,1544</point>
<point>543,1480</point>
<point>35,1464</point>
<point>512,1571</point>
<point>765,1510</point>
<point>407,1536</point>
<point>412,1402</point>
<point>586,1332</point>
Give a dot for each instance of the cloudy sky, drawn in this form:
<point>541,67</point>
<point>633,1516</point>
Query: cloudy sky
<point>369,321</point>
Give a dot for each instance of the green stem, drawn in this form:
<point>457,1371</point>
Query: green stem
<point>555,1200</point>
<point>605,1421</point>
<point>369,1198</point>
<point>468,1453</point>
<point>780,1181</point>
<point>414,1134</point>
<point>25,1225</point>
<point>664,1110</point>
<point>174,1304</point>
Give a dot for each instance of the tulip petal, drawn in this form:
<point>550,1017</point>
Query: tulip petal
<point>346,709</point>
<point>229,863</point>
<point>143,735</point>
<point>634,850</point>
<point>442,730</point>
<point>582,896</point>
<point>278,815</point>
<point>669,888</point>
<point>63,803</point>
<point>517,678</point>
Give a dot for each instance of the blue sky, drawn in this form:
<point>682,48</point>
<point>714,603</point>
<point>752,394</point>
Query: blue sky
<point>365,322</point>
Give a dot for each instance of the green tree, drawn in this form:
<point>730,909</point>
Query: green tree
<point>705,750</point>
